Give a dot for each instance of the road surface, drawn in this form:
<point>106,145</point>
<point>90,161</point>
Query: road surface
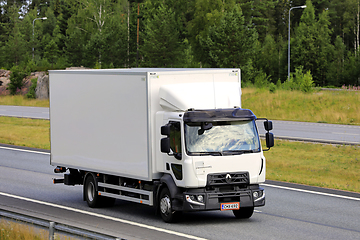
<point>291,211</point>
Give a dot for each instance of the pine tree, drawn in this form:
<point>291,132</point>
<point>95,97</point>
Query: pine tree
<point>162,44</point>
<point>230,43</point>
<point>311,47</point>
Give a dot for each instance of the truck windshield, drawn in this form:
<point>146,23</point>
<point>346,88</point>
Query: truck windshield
<point>221,138</point>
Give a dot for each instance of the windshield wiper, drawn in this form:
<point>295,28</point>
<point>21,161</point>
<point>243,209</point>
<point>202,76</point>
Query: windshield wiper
<point>237,152</point>
<point>206,153</point>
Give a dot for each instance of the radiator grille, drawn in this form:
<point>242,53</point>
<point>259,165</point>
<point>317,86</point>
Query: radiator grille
<point>228,178</point>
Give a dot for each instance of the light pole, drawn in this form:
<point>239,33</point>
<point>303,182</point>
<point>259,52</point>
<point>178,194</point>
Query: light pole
<point>44,18</point>
<point>304,6</point>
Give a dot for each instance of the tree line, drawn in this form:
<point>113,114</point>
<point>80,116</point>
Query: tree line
<point>247,34</point>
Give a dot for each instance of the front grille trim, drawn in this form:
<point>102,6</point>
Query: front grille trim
<point>231,178</point>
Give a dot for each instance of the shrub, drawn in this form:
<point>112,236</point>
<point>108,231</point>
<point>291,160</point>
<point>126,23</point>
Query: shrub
<point>272,88</point>
<point>299,81</point>
<point>261,80</point>
<point>307,82</point>
<point>31,94</point>
<point>16,80</point>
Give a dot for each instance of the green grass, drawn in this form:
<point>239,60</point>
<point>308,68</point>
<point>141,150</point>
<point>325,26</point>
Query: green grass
<point>337,107</point>
<point>25,132</point>
<point>330,166</point>
<point>19,100</point>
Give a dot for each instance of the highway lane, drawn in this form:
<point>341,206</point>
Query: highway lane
<point>288,214</point>
<point>319,132</point>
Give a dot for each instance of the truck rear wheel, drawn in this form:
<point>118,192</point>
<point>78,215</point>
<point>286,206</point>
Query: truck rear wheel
<point>245,212</point>
<point>90,192</point>
<point>165,205</point>
<point>92,197</point>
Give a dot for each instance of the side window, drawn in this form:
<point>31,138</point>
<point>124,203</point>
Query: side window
<point>175,137</point>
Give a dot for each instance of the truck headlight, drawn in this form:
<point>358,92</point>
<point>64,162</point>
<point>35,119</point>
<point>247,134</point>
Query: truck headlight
<point>200,198</point>
<point>195,199</point>
<point>258,195</point>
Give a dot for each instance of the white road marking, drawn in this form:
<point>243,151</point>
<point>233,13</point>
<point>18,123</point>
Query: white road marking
<point>24,150</point>
<point>313,192</point>
<point>104,216</point>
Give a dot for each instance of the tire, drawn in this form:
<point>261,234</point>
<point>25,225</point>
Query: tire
<point>243,213</point>
<point>90,191</point>
<point>92,197</point>
<point>165,207</point>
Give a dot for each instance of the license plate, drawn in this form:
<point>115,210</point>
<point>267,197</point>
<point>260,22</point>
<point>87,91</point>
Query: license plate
<point>230,206</point>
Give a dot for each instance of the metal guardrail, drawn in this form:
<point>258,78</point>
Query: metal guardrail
<point>56,228</point>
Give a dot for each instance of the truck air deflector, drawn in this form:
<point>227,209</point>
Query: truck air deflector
<point>219,115</point>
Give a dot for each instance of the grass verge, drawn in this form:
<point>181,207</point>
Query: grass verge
<point>19,100</point>
<point>329,166</point>
<point>12,230</point>
<point>338,107</point>
<point>25,132</point>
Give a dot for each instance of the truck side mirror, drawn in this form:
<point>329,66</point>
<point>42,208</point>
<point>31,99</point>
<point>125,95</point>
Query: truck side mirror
<point>268,125</point>
<point>269,140</point>
<point>165,144</point>
<point>165,130</point>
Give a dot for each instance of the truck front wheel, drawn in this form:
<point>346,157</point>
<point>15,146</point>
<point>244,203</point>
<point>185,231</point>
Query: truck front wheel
<point>165,205</point>
<point>245,212</point>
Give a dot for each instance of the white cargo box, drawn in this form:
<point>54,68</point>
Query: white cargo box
<point>104,120</point>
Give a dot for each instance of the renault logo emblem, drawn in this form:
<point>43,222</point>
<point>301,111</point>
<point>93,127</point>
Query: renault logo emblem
<point>228,178</point>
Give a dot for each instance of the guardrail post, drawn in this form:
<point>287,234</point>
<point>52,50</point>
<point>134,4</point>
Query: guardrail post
<point>51,230</point>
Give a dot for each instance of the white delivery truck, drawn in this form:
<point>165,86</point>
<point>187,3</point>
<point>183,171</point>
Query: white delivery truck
<point>175,139</point>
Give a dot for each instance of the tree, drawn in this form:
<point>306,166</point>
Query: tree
<point>162,45</point>
<point>206,13</point>
<point>352,27</point>
<point>88,28</point>
<point>15,46</point>
<point>267,57</point>
<point>260,14</point>
<point>311,46</point>
<point>230,43</point>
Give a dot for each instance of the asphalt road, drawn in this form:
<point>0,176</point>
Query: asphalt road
<point>25,112</point>
<point>291,211</point>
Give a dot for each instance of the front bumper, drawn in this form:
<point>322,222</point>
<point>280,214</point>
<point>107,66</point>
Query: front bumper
<point>204,199</point>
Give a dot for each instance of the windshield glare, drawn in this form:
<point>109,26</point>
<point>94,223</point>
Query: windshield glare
<point>234,137</point>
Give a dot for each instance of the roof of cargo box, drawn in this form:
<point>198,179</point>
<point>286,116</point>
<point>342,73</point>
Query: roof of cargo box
<point>145,70</point>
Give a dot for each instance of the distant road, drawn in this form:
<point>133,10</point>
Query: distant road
<point>24,112</point>
<point>303,131</point>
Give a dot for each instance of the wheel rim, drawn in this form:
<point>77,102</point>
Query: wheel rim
<point>91,191</point>
<point>165,205</point>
